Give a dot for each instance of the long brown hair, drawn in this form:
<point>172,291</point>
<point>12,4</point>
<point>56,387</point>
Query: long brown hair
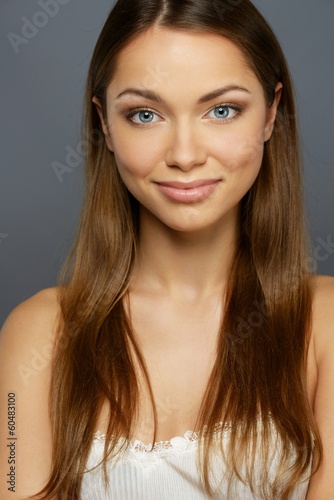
<point>260,368</point>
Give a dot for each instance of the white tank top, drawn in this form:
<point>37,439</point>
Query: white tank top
<point>169,472</point>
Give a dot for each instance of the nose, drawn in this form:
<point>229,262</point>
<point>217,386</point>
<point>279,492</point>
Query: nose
<point>186,149</point>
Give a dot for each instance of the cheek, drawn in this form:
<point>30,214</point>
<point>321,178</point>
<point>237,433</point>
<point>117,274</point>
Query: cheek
<point>134,155</point>
<point>244,151</point>
<point>129,169</point>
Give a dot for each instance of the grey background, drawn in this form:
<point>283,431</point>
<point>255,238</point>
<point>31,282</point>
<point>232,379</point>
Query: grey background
<point>41,92</point>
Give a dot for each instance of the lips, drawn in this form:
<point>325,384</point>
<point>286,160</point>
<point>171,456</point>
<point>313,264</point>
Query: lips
<point>188,192</point>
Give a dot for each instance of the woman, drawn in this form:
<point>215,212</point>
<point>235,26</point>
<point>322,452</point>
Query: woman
<point>187,303</point>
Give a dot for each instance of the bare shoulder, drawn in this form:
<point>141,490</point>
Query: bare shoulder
<point>26,345</point>
<point>42,308</point>
<point>30,327</point>
<point>323,288</point>
<point>323,314</point>
<point>322,483</point>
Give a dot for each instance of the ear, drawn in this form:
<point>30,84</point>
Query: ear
<point>272,113</point>
<point>105,129</point>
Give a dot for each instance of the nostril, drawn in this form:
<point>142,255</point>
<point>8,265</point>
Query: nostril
<point>185,160</point>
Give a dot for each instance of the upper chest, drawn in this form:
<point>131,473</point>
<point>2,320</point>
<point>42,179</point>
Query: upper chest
<point>178,342</point>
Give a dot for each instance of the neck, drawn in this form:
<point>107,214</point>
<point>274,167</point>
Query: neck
<point>184,264</point>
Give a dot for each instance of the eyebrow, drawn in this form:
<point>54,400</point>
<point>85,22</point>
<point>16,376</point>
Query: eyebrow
<point>153,96</point>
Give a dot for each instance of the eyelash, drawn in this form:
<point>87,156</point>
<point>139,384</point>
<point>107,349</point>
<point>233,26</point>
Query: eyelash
<point>129,114</point>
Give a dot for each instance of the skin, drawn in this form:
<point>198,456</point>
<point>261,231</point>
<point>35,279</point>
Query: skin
<point>179,277</point>
<point>185,142</point>
<point>185,248</point>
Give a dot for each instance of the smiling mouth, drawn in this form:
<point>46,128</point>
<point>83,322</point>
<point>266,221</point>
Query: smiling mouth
<point>188,192</point>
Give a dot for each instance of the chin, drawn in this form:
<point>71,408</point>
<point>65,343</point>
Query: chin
<point>189,227</point>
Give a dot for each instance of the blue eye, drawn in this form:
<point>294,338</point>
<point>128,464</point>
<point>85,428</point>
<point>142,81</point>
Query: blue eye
<point>144,115</point>
<point>224,112</point>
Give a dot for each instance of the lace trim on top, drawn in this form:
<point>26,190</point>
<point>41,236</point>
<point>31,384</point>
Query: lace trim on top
<point>176,443</point>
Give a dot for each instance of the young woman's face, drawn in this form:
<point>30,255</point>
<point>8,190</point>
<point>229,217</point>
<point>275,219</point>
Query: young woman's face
<point>187,120</point>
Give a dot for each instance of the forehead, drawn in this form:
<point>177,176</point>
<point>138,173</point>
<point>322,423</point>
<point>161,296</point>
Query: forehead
<point>163,57</point>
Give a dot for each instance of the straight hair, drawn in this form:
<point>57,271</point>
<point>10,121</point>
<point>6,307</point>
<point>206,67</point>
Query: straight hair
<point>260,366</point>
